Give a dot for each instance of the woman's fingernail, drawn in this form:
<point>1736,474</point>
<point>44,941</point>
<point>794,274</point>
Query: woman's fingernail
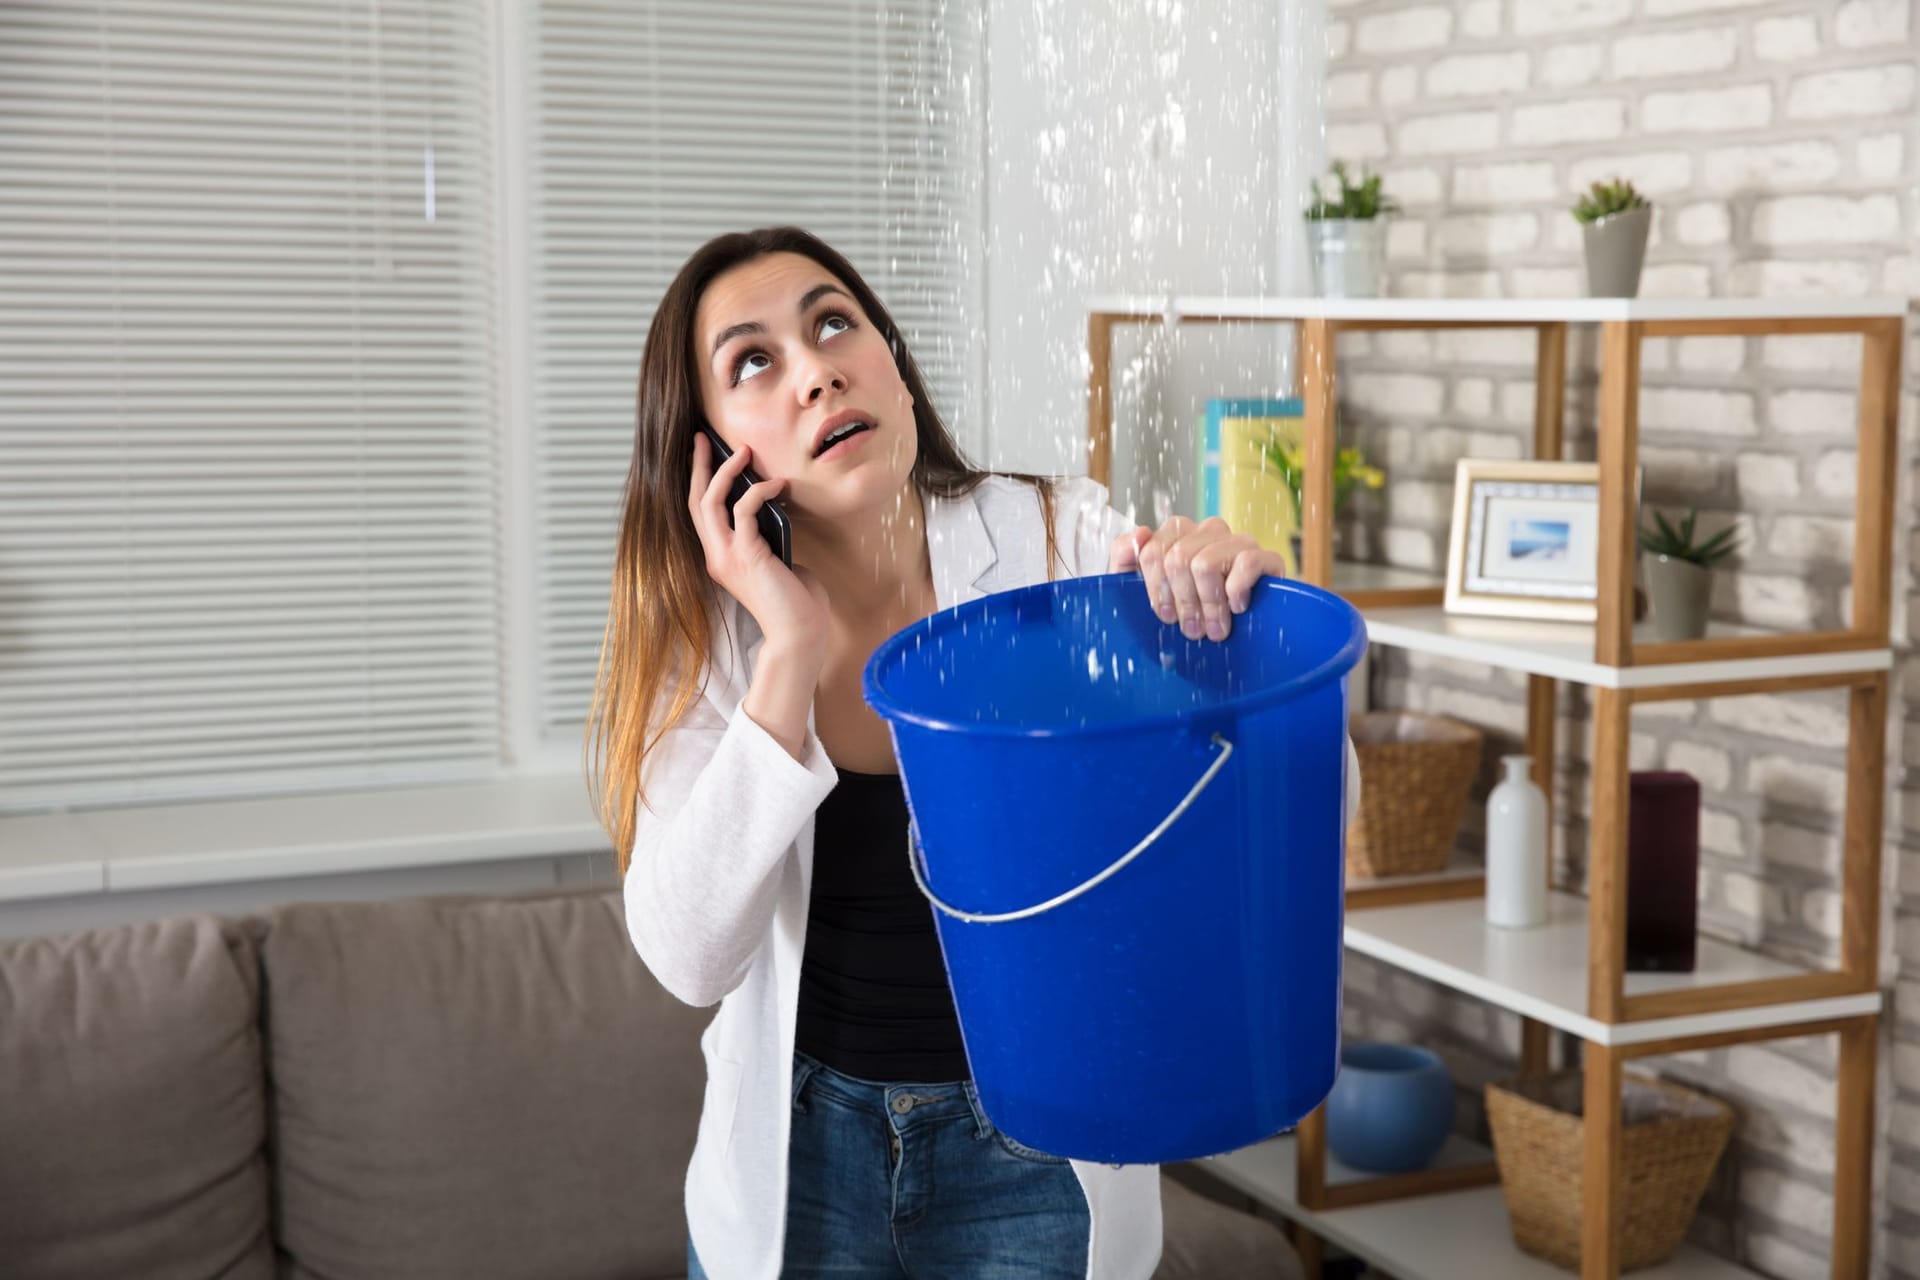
<point>1216,629</point>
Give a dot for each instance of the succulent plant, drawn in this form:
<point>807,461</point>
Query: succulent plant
<point>1604,199</point>
<point>1361,198</point>
<point>1678,543</point>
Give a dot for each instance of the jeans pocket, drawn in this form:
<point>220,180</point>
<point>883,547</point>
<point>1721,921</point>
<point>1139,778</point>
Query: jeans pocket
<point>803,1069</point>
<point>1021,1151</point>
<point>985,1127</point>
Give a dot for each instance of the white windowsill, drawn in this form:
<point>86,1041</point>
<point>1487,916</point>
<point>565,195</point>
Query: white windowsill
<point>165,846</point>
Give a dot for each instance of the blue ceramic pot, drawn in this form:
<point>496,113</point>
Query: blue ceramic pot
<point>1391,1107</point>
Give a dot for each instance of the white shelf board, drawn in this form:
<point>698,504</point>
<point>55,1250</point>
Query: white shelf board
<point>1564,650</point>
<point>1451,1235</point>
<point>1516,310</point>
<point>161,846</point>
<point>1354,575</point>
<point>1542,973</point>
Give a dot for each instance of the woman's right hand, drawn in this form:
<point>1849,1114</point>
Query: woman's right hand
<point>789,604</point>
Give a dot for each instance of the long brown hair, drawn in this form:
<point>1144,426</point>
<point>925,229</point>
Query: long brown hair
<point>659,625</point>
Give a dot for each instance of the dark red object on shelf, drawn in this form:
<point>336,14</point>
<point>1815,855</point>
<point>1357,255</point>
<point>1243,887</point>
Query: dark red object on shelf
<point>1663,871</point>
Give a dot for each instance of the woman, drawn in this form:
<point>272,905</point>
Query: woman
<point>752,796</point>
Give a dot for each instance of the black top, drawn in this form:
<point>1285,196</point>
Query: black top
<point>874,1000</point>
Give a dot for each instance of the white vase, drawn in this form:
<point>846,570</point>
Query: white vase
<point>1516,849</point>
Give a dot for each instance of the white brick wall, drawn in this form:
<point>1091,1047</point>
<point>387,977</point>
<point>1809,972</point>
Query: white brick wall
<point>1689,52</point>
<point>1771,166</point>
<point>1781,145</point>
<point>1707,110</point>
<point>1656,173</point>
<point>1826,220</point>
<point>1577,120</point>
<point>1477,75</point>
<point>1836,475</point>
<point>1565,65</point>
<point>1878,93</point>
<point>1793,780</point>
<point>1811,538</point>
<point>1861,23</point>
<point>1450,132</point>
<point>1403,30</point>
<point>1553,17</point>
<point>1786,39</point>
<point>1806,720</point>
<point>1805,412</point>
<point>1480,18</point>
<point>1696,409</point>
<point>1705,224</point>
<point>1498,183</point>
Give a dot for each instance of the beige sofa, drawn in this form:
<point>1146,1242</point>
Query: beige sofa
<point>454,1087</point>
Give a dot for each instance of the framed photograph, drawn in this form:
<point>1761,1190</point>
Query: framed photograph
<point>1525,539</point>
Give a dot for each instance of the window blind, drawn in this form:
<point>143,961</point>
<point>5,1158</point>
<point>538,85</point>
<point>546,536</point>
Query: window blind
<point>248,533</point>
<point>250,450</point>
<point>660,125</point>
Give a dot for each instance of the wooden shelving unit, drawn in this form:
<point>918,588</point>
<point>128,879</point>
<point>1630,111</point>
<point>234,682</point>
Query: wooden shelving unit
<point>1443,1235</point>
<point>1571,974</point>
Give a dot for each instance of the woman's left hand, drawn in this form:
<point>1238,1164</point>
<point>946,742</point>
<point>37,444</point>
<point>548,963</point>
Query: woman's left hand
<point>1198,575</point>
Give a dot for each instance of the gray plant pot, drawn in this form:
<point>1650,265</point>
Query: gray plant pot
<point>1349,256</point>
<point>1677,592</point>
<point>1616,249</point>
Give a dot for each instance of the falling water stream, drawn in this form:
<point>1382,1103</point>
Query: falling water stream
<point>1161,151</point>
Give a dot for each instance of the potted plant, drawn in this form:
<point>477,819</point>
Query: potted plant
<point>1615,219</point>
<point>1679,576</point>
<point>1347,235</point>
<point>1350,471</point>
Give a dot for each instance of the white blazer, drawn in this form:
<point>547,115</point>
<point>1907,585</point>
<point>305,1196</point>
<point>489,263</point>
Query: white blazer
<point>717,893</point>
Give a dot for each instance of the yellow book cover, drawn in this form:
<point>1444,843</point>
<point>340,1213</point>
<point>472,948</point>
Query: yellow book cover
<point>1253,493</point>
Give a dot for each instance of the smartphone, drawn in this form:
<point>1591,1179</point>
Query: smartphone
<point>775,525</point>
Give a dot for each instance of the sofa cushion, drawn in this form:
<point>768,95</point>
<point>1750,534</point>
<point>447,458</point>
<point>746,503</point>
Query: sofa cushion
<point>1203,1239</point>
<point>476,1086</point>
<point>132,1107</point>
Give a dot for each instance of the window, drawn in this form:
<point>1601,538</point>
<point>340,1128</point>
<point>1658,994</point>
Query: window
<point>662,125</point>
<point>256,532</point>
<point>247,516</point>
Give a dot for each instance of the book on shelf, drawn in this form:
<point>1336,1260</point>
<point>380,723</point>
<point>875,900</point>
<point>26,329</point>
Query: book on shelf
<point>1237,481</point>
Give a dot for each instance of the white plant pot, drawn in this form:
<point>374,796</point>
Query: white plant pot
<point>1349,256</point>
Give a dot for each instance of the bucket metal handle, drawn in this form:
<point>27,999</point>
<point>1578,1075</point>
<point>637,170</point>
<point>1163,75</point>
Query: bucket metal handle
<point>914,858</point>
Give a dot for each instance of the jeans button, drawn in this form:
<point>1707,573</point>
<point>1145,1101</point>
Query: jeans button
<point>902,1104</point>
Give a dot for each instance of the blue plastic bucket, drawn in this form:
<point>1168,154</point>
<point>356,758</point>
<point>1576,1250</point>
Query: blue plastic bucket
<point>1135,846</point>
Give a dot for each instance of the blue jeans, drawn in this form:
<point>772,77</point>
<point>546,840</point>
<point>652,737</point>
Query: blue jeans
<point>913,1182</point>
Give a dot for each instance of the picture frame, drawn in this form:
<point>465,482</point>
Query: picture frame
<point>1525,540</point>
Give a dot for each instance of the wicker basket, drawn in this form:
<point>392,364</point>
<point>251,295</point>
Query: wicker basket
<point>1414,774</point>
<point>1670,1140</point>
